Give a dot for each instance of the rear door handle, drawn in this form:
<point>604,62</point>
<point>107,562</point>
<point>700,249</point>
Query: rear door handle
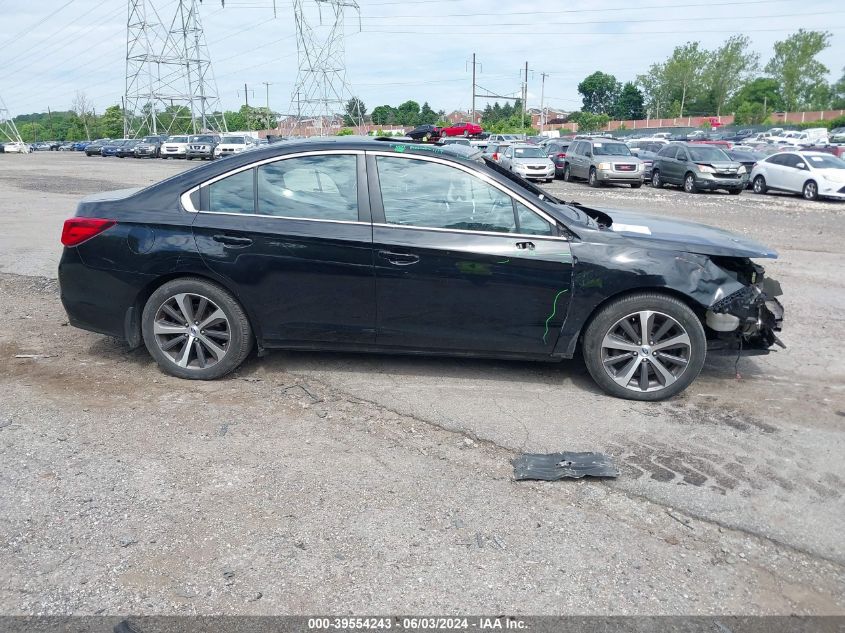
<point>231,240</point>
<point>399,259</point>
<point>525,246</point>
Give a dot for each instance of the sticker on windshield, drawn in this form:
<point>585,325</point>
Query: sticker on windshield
<point>816,159</point>
<point>630,228</point>
<point>596,144</point>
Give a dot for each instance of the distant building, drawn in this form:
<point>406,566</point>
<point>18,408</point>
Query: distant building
<point>459,116</point>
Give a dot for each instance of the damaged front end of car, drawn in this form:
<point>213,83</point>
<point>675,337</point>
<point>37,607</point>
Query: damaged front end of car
<point>750,315</point>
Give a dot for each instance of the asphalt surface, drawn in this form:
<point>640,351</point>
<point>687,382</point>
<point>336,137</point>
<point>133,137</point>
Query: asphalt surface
<point>362,483</point>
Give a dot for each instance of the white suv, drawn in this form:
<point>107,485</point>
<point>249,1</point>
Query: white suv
<point>174,147</point>
<point>234,144</point>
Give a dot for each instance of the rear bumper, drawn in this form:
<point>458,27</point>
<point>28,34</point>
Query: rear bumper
<point>101,301</point>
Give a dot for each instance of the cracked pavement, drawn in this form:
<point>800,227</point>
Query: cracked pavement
<point>363,483</point>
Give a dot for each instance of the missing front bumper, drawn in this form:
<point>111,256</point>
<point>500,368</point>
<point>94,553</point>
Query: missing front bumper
<point>753,315</point>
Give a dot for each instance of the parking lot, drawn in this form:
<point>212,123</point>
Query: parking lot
<point>316,483</point>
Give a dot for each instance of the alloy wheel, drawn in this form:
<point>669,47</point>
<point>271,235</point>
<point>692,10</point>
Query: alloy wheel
<point>811,191</point>
<point>689,183</point>
<point>646,351</point>
<point>192,331</point>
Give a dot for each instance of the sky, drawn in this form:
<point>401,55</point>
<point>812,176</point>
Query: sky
<point>398,50</point>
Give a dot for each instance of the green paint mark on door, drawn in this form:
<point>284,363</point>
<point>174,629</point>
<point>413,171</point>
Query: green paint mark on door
<point>552,315</point>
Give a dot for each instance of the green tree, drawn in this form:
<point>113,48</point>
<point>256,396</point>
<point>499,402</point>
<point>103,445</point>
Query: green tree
<point>600,92</point>
<point>838,93</point>
<point>355,111</point>
<point>383,115</point>
<point>408,113</point>
<point>683,71</point>
<point>111,123</point>
<point>589,121</point>
<point>427,115</point>
<point>656,91</point>
<point>798,73</point>
<point>629,105</point>
<point>762,91</point>
<point>728,68</point>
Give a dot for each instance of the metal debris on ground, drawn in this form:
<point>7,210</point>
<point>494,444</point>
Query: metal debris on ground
<point>563,465</point>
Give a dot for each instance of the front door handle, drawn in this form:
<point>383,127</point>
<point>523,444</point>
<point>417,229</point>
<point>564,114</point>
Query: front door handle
<point>525,246</point>
<point>399,259</point>
<point>231,240</point>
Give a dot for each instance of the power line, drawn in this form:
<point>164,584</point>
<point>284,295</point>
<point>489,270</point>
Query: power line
<point>40,22</point>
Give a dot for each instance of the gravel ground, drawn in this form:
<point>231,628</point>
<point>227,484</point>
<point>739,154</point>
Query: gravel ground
<point>359,483</point>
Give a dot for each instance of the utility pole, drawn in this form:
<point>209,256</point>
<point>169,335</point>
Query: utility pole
<point>524,94</point>
<point>474,64</point>
<point>267,85</point>
<point>542,96</point>
<point>246,96</point>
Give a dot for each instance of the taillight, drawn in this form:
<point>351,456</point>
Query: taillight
<point>77,230</point>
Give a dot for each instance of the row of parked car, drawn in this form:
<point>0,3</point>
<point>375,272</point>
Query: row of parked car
<point>694,165</point>
<point>196,146</point>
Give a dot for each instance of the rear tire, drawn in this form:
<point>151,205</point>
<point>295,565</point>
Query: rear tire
<point>197,353</point>
<point>668,372</point>
<point>760,185</point>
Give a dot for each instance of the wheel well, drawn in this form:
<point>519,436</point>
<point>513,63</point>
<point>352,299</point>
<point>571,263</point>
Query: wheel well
<point>669,292</point>
<point>133,318</point>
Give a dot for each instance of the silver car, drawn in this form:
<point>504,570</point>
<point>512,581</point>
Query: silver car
<point>602,162</point>
<point>528,161</point>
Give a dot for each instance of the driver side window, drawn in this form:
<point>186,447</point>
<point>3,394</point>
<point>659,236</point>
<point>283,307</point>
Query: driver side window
<point>426,194</point>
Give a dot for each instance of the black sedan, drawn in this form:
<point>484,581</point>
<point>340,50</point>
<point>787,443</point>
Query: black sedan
<point>425,133</point>
<point>367,245</point>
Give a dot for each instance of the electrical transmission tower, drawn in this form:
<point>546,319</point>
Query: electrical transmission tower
<point>8,129</point>
<point>170,87</point>
<point>321,91</point>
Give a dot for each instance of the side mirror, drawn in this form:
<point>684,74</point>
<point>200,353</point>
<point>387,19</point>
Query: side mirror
<point>800,166</point>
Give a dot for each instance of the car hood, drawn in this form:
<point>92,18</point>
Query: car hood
<point>686,236</point>
<point>833,174</point>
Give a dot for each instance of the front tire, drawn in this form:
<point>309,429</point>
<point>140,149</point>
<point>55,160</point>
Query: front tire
<point>810,191</point>
<point>636,185</point>
<point>655,180</point>
<point>567,174</point>
<point>689,183</point>
<point>735,192</point>
<point>646,346</point>
<point>594,178</point>
<point>195,329</point>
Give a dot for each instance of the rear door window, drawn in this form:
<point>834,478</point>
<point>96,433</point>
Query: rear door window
<point>310,187</point>
<point>233,194</point>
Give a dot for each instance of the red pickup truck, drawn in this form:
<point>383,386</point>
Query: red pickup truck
<point>462,129</point>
